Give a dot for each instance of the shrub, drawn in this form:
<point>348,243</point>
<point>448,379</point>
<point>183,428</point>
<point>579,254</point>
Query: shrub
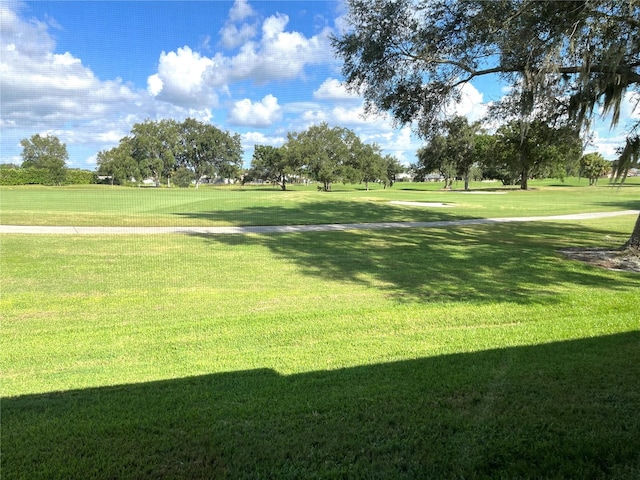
<point>80,177</point>
<point>43,176</point>
<point>183,177</point>
<point>26,176</point>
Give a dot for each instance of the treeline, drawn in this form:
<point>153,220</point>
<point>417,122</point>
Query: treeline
<point>186,152</point>
<point>515,153</point>
<point>323,154</point>
<point>189,152</point>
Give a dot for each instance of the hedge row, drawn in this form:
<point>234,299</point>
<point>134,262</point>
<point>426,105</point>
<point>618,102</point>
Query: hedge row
<point>41,176</point>
<point>80,177</point>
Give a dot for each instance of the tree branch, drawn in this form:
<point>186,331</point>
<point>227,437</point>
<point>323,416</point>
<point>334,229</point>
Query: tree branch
<point>632,77</point>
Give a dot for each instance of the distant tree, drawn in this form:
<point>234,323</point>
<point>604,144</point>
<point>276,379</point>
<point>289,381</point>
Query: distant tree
<point>433,158</point>
<point>451,151</point>
<point>460,146</point>
<point>118,163</point>
<point>536,149</point>
<point>154,145</point>
<point>593,166</point>
<point>365,163</point>
<point>392,168</point>
<point>485,151</point>
<point>271,164</point>
<point>47,153</point>
<point>322,151</point>
<point>208,151</point>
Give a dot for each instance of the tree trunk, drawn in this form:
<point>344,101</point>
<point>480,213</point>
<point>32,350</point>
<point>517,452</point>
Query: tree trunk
<point>466,183</point>
<point>634,240</point>
<point>524,179</point>
<point>524,176</point>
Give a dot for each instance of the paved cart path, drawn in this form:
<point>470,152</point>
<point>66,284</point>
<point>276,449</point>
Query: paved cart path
<point>297,228</point>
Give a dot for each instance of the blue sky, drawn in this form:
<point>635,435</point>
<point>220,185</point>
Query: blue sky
<point>87,71</point>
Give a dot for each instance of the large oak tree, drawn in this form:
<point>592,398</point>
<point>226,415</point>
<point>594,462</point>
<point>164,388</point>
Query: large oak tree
<point>411,58</point>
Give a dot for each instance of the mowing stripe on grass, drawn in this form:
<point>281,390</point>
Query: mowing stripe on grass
<point>298,228</point>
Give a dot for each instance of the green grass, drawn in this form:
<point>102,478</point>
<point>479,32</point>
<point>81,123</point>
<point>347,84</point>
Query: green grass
<point>229,205</point>
<point>468,352</point>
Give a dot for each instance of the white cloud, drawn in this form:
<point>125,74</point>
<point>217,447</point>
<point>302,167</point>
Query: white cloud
<point>469,105</point>
<point>154,85</point>
<point>332,89</point>
<point>31,37</point>
<point>44,91</point>
<point>279,55</point>
<point>274,25</point>
<point>186,78</point>
<point>233,37</point>
<point>250,139</point>
<point>606,142</point>
<point>260,114</point>
<point>182,78</point>
<point>353,117</point>
<point>240,10</point>
<point>630,107</point>
<point>41,88</point>
<point>313,117</point>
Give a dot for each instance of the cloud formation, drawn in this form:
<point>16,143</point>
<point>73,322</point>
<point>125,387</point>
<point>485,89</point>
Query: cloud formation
<point>240,11</point>
<point>41,88</point>
<point>188,78</point>
<point>259,114</point>
<point>55,93</point>
<point>182,79</point>
<point>232,35</point>
<point>332,89</point>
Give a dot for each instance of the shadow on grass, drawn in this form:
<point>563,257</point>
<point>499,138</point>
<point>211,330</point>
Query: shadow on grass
<point>480,263</point>
<point>626,204</point>
<point>561,410</point>
<point>428,187</point>
<point>337,210</point>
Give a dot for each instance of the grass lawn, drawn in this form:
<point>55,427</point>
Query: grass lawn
<point>467,352</point>
<point>230,205</point>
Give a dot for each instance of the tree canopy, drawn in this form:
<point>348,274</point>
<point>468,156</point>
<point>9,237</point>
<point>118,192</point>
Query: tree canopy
<point>158,149</point>
<point>208,151</point>
<point>411,57</point>
<point>593,166</point>
<point>567,61</point>
<point>324,154</point>
<point>47,153</point>
<point>271,164</point>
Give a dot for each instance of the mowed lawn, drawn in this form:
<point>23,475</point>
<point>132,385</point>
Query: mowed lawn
<point>464,352</point>
<point>103,205</point>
